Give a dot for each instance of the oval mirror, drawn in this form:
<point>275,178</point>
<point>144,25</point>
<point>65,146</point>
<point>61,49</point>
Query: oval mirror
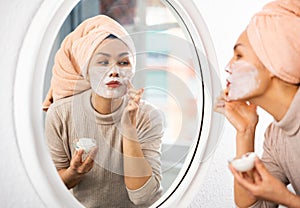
<point>174,56</point>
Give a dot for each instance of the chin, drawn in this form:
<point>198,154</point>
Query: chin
<point>115,94</point>
<point>241,98</point>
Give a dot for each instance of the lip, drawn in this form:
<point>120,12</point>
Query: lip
<point>228,70</point>
<point>227,83</point>
<point>113,84</point>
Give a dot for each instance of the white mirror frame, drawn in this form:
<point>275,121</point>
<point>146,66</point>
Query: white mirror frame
<point>28,97</point>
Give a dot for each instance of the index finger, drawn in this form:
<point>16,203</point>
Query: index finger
<point>91,156</point>
<point>260,167</point>
<point>77,156</point>
<point>243,182</point>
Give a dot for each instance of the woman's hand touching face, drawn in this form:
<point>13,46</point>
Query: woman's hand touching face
<point>240,114</point>
<point>128,120</point>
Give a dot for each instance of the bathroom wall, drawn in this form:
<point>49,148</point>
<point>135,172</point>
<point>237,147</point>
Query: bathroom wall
<point>225,20</point>
<point>16,189</point>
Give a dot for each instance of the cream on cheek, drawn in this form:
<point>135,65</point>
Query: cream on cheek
<point>100,78</point>
<point>242,81</point>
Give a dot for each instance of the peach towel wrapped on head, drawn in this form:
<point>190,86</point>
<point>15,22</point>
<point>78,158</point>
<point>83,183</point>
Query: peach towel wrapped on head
<point>71,60</point>
<point>274,34</point>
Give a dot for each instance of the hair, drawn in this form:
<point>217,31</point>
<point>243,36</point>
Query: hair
<point>111,36</point>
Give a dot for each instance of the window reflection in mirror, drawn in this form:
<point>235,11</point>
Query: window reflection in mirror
<point>166,67</point>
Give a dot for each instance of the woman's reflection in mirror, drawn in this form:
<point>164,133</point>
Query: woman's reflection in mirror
<point>91,99</point>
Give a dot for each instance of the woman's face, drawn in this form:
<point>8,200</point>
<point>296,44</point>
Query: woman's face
<point>110,68</point>
<point>248,77</point>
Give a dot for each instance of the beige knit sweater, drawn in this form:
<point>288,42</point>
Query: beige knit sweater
<point>72,118</point>
<point>281,154</point>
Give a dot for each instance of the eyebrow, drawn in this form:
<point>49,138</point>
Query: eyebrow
<point>104,54</point>
<point>108,55</point>
<point>123,54</point>
<point>237,45</point>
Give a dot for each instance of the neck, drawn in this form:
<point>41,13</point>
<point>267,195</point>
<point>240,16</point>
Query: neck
<point>105,105</point>
<point>277,99</point>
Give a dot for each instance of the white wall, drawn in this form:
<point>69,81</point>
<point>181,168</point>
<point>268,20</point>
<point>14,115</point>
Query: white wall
<point>225,20</point>
<point>16,189</point>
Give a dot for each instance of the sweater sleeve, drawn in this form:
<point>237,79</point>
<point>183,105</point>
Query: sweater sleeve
<point>150,131</point>
<point>55,134</point>
<point>269,158</point>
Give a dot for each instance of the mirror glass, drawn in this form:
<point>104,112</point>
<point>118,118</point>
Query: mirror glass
<point>167,68</point>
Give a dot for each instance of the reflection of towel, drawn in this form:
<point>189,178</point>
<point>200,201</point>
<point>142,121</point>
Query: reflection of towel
<point>274,34</point>
<point>69,70</point>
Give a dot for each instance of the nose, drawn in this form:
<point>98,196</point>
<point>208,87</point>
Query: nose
<point>228,69</point>
<point>114,74</point>
<point>228,66</point>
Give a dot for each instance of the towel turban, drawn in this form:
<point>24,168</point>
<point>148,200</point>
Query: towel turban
<point>274,34</point>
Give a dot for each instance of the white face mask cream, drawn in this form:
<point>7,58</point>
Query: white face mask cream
<point>244,163</point>
<point>110,82</point>
<point>87,144</point>
<point>242,80</point>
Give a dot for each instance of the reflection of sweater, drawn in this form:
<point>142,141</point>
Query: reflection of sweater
<point>72,118</point>
<point>282,149</point>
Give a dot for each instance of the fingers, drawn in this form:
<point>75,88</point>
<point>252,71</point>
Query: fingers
<point>246,183</point>
<point>248,176</point>
<point>134,94</point>
<point>132,105</point>
<point>219,106</point>
<point>93,153</point>
<point>85,166</point>
<point>138,96</point>
<point>260,167</point>
<point>233,171</point>
<point>256,177</point>
<point>253,106</point>
<point>219,109</point>
<point>77,158</point>
<point>91,156</point>
<point>222,96</point>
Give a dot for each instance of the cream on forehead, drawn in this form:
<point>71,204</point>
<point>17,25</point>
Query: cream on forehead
<point>243,80</point>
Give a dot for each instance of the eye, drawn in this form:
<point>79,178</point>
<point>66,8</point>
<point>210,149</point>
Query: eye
<point>238,56</point>
<point>124,63</point>
<point>104,62</point>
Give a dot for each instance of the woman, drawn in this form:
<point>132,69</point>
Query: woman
<point>265,72</point>
<point>93,98</point>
